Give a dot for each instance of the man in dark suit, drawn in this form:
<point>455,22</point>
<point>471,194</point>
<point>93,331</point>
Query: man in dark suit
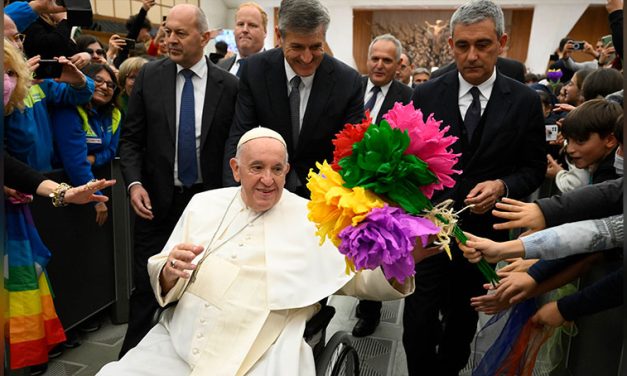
<point>171,146</point>
<point>381,92</point>
<point>298,91</point>
<point>251,23</point>
<point>383,62</point>
<point>509,67</point>
<point>499,124</point>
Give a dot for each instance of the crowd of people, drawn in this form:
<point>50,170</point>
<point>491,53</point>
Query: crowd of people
<point>188,128</point>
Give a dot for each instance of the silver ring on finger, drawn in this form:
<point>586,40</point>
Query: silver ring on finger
<point>173,263</point>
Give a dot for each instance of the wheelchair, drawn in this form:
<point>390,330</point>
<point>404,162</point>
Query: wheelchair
<point>337,357</point>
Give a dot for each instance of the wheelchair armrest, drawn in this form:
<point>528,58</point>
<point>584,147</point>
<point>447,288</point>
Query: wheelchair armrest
<point>319,321</point>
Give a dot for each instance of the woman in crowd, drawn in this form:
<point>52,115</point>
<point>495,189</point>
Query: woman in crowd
<point>128,71</point>
<point>88,135</point>
<point>95,49</point>
<point>30,335</point>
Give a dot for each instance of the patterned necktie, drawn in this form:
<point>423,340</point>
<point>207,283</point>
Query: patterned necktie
<point>473,114</point>
<point>373,99</point>
<point>187,164</point>
<point>295,109</point>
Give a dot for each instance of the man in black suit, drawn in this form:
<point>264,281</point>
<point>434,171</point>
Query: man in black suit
<point>499,124</point>
<point>298,91</point>
<point>172,144</point>
<point>251,24</point>
<point>509,67</point>
<point>381,92</point>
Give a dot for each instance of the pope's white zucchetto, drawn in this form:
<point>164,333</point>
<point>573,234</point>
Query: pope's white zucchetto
<point>260,132</point>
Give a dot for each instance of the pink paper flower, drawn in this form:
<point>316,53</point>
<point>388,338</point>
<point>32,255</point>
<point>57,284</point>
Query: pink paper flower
<point>428,143</point>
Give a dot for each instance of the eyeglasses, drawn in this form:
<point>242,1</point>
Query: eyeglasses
<point>100,81</point>
<point>99,51</point>
<point>19,38</point>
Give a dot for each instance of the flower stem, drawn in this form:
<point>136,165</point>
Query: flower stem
<point>488,272</point>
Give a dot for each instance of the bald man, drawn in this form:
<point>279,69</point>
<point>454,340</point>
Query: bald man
<point>171,145</point>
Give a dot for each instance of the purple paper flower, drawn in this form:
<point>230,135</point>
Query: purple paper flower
<point>386,238</point>
<point>554,75</point>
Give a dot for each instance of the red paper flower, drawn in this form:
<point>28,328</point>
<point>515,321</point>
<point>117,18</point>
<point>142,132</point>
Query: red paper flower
<point>427,143</point>
<point>343,142</point>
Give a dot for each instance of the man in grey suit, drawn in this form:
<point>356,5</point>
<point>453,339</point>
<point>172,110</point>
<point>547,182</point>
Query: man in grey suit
<point>251,23</point>
<point>171,145</point>
<point>500,130</point>
<point>298,91</point>
<point>381,92</point>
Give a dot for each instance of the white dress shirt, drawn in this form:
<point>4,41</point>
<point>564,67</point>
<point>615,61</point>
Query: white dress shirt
<point>235,66</point>
<point>304,89</point>
<point>199,79</point>
<point>465,98</point>
<point>379,102</point>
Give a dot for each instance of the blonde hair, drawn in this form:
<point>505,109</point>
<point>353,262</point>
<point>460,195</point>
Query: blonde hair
<point>130,65</point>
<point>264,15</point>
<point>14,60</point>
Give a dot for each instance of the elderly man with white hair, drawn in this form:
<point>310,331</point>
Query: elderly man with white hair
<point>247,270</point>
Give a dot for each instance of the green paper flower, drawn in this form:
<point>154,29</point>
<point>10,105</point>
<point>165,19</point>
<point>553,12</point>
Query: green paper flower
<point>378,163</point>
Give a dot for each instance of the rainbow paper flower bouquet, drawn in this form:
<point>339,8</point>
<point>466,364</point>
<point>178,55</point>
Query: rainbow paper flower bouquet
<point>373,202</point>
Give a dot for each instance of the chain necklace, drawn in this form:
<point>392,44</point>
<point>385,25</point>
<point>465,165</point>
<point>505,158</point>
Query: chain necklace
<point>209,250</point>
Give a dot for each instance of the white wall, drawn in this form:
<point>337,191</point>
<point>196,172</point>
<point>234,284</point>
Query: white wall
<point>216,12</point>
<point>547,29</point>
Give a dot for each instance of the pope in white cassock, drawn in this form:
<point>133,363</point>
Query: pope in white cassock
<point>247,271</point>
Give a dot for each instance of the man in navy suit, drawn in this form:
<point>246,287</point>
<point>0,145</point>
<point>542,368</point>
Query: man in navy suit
<point>381,92</point>
<point>500,128</point>
<point>163,167</point>
<point>298,91</point>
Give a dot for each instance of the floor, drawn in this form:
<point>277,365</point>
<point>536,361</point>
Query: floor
<point>380,354</point>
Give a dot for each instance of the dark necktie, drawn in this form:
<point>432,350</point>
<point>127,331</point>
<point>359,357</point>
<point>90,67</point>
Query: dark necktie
<point>295,109</point>
<point>187,164</point>
<point>373,99</point>
<point>239,68</point>
<point>473,114</point>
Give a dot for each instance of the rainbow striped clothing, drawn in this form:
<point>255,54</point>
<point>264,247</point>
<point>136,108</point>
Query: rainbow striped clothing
<point>33,325</point>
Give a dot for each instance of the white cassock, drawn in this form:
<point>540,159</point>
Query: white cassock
<point>258,284</point>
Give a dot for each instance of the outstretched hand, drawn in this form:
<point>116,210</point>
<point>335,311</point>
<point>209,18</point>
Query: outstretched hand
<point>477,248</point>
<point>86,193</point>
<point>519,215</point>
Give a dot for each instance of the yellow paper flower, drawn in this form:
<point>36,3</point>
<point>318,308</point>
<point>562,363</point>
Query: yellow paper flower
<point>333,206</point>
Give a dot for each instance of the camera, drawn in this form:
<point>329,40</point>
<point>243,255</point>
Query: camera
<point>130,44</point>
<point>551,132</point>
<point>578,45</point>
<point>48,69</point>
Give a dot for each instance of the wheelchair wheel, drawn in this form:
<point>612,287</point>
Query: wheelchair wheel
<point>339,357</point>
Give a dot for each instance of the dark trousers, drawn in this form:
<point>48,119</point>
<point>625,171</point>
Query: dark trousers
<point>150,238</point>
<point>442,287</point>
<point>369,310</point>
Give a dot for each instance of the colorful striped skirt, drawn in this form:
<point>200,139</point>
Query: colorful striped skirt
<point>33,325</point>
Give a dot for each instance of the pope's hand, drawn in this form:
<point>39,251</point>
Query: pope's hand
<point>179,264</point>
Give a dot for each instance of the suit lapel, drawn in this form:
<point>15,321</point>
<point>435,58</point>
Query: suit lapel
<point>495,111</point>
<point>323,84</point>
<point>169,94</point>
<point>388,101</point>
<point>449,93</point>
<point>276,82</point>
<point>213,92</point>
